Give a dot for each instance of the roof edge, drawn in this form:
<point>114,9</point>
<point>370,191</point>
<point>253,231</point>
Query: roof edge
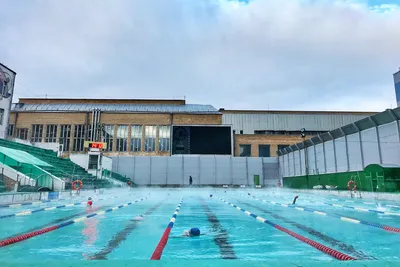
<point>4,66</point>
<point>298,112</point>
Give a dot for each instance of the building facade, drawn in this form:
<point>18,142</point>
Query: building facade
<point>396,78</point>
<point>7,81</point>
<point>137,127</point>
<point>143,127</point>
<point>263,133</point>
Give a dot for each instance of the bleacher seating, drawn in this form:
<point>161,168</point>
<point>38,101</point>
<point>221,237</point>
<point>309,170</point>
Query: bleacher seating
<point>62,168</point>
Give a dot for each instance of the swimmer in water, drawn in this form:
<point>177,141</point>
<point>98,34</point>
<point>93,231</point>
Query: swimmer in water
<point>138,218</point>
<point>89,202</point>
<point>192,232</point>
<point>294,200</point>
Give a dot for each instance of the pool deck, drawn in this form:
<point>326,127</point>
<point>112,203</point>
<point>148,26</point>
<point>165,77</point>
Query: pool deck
<point>198,263</point>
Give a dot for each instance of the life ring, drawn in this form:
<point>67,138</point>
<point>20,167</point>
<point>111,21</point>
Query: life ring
<point>350,187</point>
<point>74,184</point>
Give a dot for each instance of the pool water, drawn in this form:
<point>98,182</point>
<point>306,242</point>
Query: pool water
<point>229,233</point>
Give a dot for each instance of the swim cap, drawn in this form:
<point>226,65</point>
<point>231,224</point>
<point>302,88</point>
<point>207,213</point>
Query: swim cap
<point>195,231</point>
<point>89,198</point>
<point>210,195</point>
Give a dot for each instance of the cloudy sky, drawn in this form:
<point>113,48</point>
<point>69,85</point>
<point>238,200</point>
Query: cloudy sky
<point>236,54</point>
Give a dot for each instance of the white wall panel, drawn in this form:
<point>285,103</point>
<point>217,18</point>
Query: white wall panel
<point>390,145</point>
<point>190,168</point>
<point>281,167</point>
<point>370,146</point>
<point>239,170</point>
<point>255,167</point>
<point>207,170</point>
<point>319,156</point>
<point>142,171</point>
<point>311,160</point>
<point>224,170</point>
<point>353,142</point>
<point>291,165</point>
<point>330,157</point>
<point>175,170</point>
<point>296,156</point>
<point>286,159</point>
<point>341,154</point>
<point>302,161</point>
<point>158,170</point>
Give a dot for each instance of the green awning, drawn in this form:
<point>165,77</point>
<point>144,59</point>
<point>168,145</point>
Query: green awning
<point>22,157</point>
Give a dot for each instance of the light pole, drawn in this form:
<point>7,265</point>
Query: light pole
<point>303,135</point>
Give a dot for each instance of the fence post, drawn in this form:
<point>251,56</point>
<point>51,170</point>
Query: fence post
<point>231,168</point>
<point>150,170</point>
<point>199,166</point>
<point>166,174</point>
<point>183,171</point>
<point>247,172</point>
<point>215,170</point>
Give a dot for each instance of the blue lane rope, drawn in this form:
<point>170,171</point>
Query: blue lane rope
<point>343,218</point>
<point>29,212</point>
<point>13,240</point>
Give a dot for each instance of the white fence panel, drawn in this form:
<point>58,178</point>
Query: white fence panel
<point>369,141</point>
<point>390,145</point>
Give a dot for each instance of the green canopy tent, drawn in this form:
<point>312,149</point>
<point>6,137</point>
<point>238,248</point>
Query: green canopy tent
<point>383,178</point>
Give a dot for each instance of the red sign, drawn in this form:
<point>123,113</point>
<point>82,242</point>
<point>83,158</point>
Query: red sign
<point>96,145</point>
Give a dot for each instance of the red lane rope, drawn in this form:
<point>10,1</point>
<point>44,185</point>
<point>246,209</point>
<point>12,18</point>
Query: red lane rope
<point>336,254</point>
<point>164,238</point>
<point>161,245</point>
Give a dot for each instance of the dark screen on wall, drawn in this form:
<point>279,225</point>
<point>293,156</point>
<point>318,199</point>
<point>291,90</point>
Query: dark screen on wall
<point>202,140</point>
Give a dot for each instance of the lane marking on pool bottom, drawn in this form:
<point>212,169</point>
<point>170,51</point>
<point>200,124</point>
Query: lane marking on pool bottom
<point>121,236</point>
<point>343,218</point>
<point>164,238</point>
<point>329,251</point>
<point>17,239</point>
<point>221,239</point>
<point>332,241</point>
<point>30,212</point>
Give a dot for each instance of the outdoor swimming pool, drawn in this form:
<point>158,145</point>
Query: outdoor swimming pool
<point>261,227</point>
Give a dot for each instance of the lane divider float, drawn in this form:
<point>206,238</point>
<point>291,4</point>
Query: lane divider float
<point>30,212</point>
<point>351,207</point>
<point>329,251</point>
<point>20,238</point>
<point>343,218</point>
<point>164,238</point>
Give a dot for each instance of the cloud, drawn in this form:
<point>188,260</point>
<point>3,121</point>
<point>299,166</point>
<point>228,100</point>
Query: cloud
<point>256,54</point>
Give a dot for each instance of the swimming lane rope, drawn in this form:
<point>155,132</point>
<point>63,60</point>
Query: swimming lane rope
<point>333,253</point>
<point>20,238</point>
<point>164,238</point>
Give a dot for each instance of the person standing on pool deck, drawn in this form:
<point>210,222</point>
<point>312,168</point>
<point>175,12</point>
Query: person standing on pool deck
<point>190,180</point>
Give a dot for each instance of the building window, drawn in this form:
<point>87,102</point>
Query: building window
<point>280,147</point>
<point>164,134</point>
<point>37,133</point>
<point>79,138</point>
<point>122,138</point>
<point>1,116</point>
<point>108,136</point>
<point>65,136</point>
<point>150,133</point>
<point>264,151</point>
<point>245,150</point>
<point>22,133</point>
<point>10,130</point>
<point>51,133</point>
<point>136,138</point>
